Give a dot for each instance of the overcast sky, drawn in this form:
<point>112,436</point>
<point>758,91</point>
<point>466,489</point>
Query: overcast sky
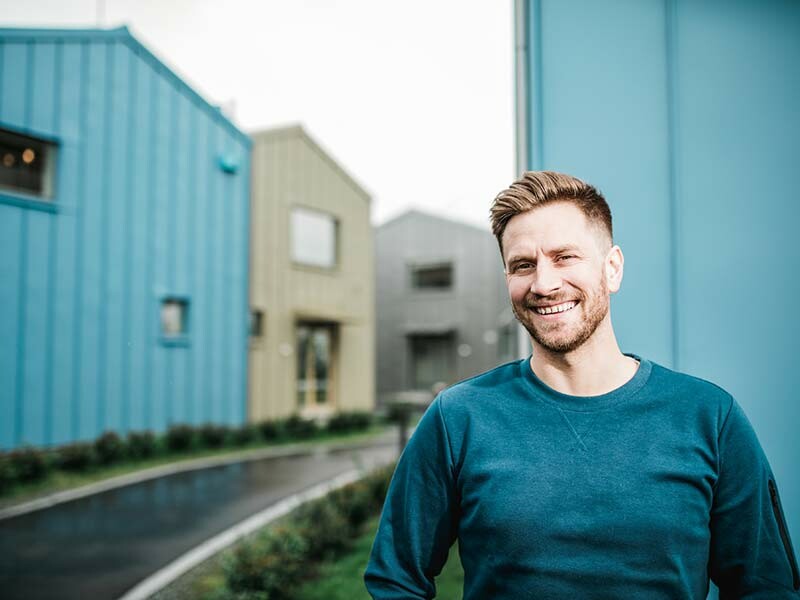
<point>413,98</point>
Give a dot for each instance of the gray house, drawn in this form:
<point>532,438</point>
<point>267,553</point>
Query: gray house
<point>442,308</point>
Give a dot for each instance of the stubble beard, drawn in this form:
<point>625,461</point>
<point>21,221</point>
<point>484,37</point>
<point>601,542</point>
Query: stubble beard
<point>595,309</point>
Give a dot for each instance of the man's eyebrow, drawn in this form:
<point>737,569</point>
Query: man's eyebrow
<point>520,258</point>
<point>564,248</point>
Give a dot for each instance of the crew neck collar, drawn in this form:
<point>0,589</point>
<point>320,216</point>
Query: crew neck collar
<point>586,403</point>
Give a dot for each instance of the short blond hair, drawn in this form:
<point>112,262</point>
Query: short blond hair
<point>537,188</point>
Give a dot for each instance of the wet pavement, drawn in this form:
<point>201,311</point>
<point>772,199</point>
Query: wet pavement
<point>101,546</point>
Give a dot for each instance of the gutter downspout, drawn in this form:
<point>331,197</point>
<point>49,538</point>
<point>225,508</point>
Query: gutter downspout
<point>521,118</point>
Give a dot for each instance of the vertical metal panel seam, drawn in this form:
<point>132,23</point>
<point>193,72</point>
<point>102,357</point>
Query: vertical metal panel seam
<point>151,326</point>
<point>522,84</point>
<point>208,201</point>
<point>670,22</point>
<point>79,231</point>
<point>245,236</point>
<point>216,314</point>
<point>2,60</point>
<point>22,279</point>
<point>206,288</point>
<point>105,218</point>
<point>191,175</point>
<point>211,342</point>
<point>51,257</point>
<point>536,121</point>
<point>227,223</point>
<point>172,230</point>
<point>130,164</point>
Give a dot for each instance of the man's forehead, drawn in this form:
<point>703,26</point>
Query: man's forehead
<point>527,250</point>
<point>552,227</point>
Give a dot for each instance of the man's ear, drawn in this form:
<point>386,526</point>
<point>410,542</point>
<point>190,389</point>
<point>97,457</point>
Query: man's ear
<point>613,268</point>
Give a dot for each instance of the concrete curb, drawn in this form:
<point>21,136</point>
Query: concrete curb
<point>163,577</point>
<point>187,465</point>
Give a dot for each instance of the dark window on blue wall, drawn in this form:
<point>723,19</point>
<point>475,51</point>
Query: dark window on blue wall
<point>256,323</point>
<point>27,164</point>
<point>174,317</point>
<point>437,277</point>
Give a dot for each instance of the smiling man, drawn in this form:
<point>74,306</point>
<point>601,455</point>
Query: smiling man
<point>580,472</point>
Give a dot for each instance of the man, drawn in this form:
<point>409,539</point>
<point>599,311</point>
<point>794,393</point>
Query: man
<point>581,472</point>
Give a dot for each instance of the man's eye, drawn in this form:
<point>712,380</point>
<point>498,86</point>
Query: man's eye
<point>522,267</point>
<point>566,257</point>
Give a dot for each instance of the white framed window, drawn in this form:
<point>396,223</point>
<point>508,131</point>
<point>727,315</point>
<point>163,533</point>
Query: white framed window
<point>314,238</point>
<point>27,165</point>
<point>174,317</point>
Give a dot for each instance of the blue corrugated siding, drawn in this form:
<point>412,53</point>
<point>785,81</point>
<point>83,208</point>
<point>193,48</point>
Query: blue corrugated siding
<point>69,189</point>
<point>117,202</point>
<point>140,214</point>
<point>141,310</point>
<point>685,114</point>
<point>586,128</point>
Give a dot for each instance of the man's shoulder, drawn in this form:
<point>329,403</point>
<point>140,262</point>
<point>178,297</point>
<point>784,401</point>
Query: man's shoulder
<point>488,381</point>
<point>665,375</point>
<point>690,387</point>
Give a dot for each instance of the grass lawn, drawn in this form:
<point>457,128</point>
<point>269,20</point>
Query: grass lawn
<point>344,578</point>
<point>59,481</point>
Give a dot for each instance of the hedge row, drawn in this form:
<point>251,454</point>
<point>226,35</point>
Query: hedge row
<point>29,464</point>
<point>273,565</point>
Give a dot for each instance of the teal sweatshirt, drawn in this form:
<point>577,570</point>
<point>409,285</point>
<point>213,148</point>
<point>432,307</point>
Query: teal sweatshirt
<point>642,493</point>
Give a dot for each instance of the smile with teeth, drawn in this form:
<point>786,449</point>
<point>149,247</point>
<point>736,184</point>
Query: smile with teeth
<point>557,308</point>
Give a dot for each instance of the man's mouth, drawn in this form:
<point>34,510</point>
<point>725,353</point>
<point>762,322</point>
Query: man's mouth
<point>555,308</point>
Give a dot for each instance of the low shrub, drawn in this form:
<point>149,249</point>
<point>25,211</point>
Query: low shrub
<point>77,456</point>
<point>325,528</point>
<point>241,436</point>
<point>270,430</point>
<point>361,420</point>
<point>267,567</point>
<point>339,422</point>
<point>109,448</point>
<point>141,444</point>
<point>213,436</point>
<point>28,464</point>
<point>180,437</point>
<point>350,421</point>
<point>6,473</point>
<point>377,484</point>
<point>298,427</point>
<point>272,565</point>
<point>355,503</point>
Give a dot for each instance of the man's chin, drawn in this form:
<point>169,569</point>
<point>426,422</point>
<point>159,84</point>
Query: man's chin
<point>558,346</point>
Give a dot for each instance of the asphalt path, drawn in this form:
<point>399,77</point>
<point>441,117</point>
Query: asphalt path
<point>100,546</point>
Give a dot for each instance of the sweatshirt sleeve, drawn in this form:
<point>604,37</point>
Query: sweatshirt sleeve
<point>751,555</point>
<point>419,521</point>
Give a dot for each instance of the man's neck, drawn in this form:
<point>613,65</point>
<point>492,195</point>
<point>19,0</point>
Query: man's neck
<point>596,368</point>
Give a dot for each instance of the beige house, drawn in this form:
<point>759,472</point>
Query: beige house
<point>312,291</point>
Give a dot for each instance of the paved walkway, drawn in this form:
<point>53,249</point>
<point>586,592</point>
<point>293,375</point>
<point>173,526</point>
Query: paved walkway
<point>101,545</point>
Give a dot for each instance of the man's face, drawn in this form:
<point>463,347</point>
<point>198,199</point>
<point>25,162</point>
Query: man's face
<point>560,270</point>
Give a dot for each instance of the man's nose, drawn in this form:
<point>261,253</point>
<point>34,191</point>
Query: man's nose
<point>546,280</point>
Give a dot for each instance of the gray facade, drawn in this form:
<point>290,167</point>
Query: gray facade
<point>442,307</point>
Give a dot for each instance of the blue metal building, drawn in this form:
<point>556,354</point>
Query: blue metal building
<point>124,200</point>
<point>685,114</point>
